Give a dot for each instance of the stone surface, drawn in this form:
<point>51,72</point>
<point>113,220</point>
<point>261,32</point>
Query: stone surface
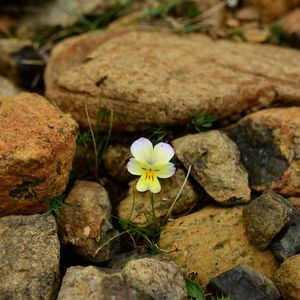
<point>7,88</point>
<point>29,261</point>
<point>244,283</point>
<point>163,200</point>
<point>291,22</point>
<point>287,243</point>
<point>155,279</point>
<point>273,9</point>
<point>92,283</point>
<point>85,224</point>
<point>51,14</point>
<point>215,162</point>
<point>264,217</point>
<point>287,278</point>
<point>212,241</point>
<point>37,145</point>
<point>9,52</point>
<point>224,78</point>
<point>115,162</point>
<point>295,202</point>
<point>269,143</point>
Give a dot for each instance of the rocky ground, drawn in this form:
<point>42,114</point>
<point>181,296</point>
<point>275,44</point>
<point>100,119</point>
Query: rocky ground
<point>217,80</point>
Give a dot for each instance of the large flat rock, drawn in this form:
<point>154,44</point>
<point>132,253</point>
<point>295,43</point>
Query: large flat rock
<point>160,77</point>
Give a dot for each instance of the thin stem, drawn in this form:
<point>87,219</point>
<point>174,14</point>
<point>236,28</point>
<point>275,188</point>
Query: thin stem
<point>177,196</point>
<point>93,138</point>
<point>152,200</point>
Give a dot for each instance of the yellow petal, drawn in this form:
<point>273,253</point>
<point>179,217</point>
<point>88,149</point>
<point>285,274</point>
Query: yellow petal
<point>136,167</point>
<point>147,183</point>
<point>163,170</point>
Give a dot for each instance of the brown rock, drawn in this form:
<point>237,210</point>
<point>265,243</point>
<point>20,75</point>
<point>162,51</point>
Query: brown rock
<point>9,49</point>
<point>247,13</point>
<point>29,263</point>
<point>37,144</point>
<point>50,14</point>
<point>212,241</point>
<point>295,202</point>
<point>115,162</point>
<point>269,143</point>
<point>273,9</point>
<point>7,88</point>
<point>215,162</point>
<point>265,216</point>
<point>224,78</point>
<point>163,200</point>
<point>291,22</point>
<point>85,224</point>
<point>287,278</point>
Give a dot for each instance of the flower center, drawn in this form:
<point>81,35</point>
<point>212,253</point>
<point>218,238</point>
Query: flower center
<point>149,175</point>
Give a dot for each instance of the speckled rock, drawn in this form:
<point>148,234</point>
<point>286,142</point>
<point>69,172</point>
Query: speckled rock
<point>273,9</point>
<point>115,162</point>
<point>155,279</point>
<point>224,78</point>
<point>287,242</point>
<point>85,224</point>
<point>264,217</point>
<point>82,283</point>
<point>37,145</point>
<point>163,200</point>
<point>212,241</point>
<point>287,278</point>
<point>244,283</point>
<point>29,260</point>
<point>295,202</point>
<point>216,165</point>
<point>7,88</point>
<point>269,143</point>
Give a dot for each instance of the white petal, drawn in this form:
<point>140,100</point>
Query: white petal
<point>145,184</point>
<point>162,152</point>
<point>137,167</point>
<point>142,150</point>
<point>163,170</point>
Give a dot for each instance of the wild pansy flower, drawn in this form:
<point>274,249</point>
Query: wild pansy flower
<point>150,163</point>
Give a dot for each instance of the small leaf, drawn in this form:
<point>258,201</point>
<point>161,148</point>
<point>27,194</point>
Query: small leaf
<point>194,290</point>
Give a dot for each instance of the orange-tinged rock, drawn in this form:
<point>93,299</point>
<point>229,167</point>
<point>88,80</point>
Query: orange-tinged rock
<point>269,143</point>
<point>37,145</point>
<point>212,241</point>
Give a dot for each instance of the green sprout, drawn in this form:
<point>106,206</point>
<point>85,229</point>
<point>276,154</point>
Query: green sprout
<point>201,122</point>
<point>194,290</point>
<point>56,204</point>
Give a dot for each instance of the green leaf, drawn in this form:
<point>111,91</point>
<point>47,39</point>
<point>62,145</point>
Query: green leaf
<point>194,290</point>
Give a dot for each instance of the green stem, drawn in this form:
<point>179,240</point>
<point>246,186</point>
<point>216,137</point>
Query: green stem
<point>152,200</point>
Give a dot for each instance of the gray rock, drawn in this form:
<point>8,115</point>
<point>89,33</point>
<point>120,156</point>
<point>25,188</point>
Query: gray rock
<point>287,278</point>
<point>216,165</point>
<point>85,224</point>
<point>244,283</point>
<point>156,279</point>
<point>82,283</point>
<point>143,89</point>
<point>7,88</point>
<point>29,258</point>
<point>269,143</point>
<point>287,242</point>
<point>265,216</point>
